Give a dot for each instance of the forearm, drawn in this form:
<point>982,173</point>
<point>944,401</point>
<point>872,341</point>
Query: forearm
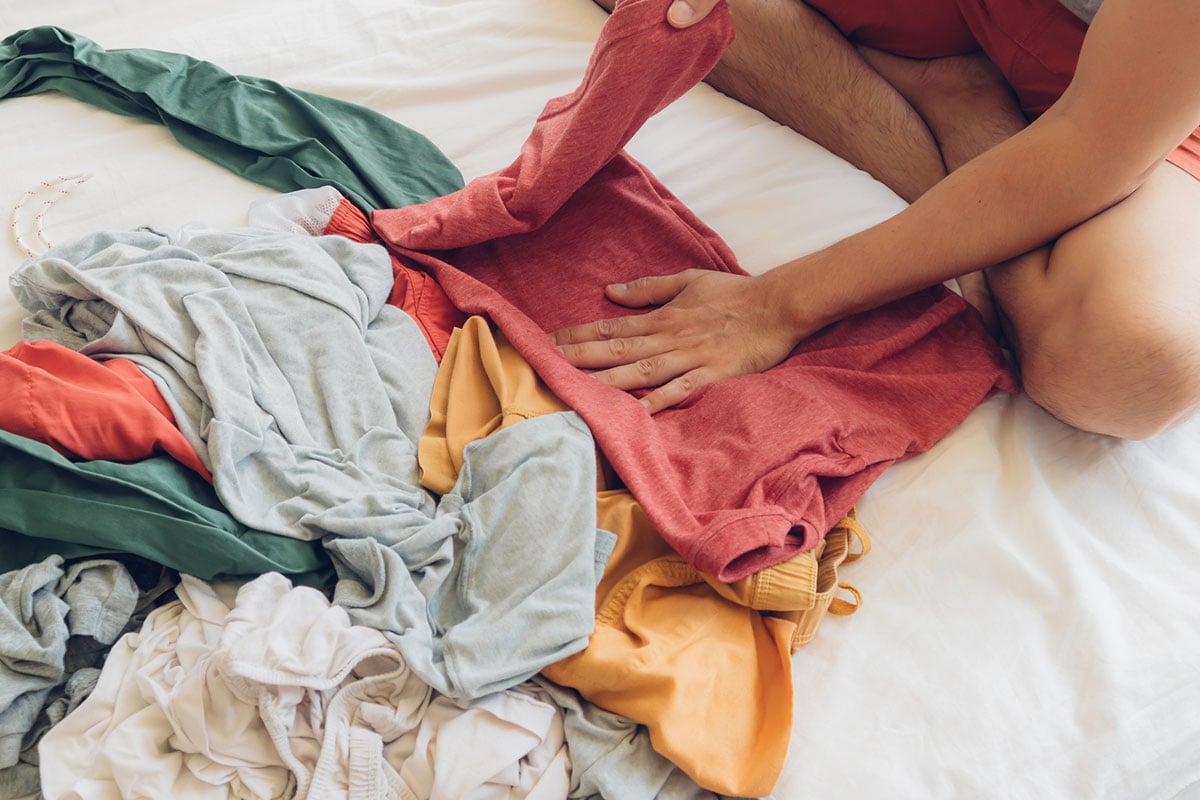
<point>1013,198</point>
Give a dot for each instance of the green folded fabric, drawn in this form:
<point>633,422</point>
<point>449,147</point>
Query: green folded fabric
<point>278,137</point>
<point>156,508</point>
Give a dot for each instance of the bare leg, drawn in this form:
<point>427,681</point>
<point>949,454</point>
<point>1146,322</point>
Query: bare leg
<point>1105,323</point>
<point>969,108</point>
<point>789,62</point>
<point>866,106</point>
<point>964,100</point>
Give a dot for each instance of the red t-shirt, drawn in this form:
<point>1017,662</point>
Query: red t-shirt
<point>750,470</point>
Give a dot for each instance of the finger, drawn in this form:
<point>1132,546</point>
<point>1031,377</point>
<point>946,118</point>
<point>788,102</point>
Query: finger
<point>684,13</point>
<point>654,290</point>
<point>612,352</point>
<point>604,329</point>
<point>676,391</point>
<point>648,372</point>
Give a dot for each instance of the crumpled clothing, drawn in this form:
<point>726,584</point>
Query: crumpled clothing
<point>268,691</point>
<point>42,608</point>
<point>305,394</point>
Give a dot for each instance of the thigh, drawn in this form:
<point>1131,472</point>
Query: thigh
<point>1140,258</point>
<point>911,28</point>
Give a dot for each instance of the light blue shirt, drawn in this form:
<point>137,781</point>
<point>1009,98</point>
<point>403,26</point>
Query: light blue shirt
<point>306,395</point>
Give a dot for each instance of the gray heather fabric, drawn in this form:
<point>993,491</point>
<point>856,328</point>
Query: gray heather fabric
<point>96,593</point>
<point>23,778</point>
<point>503,569</point>
<point>33,642</point>
<point>21,781</point>
<point>1084,9</point>
<point>305,395</point>
<point>102,596</point>
<point>41,608</point>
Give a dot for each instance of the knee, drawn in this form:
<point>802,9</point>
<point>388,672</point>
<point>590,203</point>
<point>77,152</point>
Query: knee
<point>1128,375</point>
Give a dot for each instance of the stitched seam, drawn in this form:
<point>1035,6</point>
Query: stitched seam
<point>717,531</point>
<point>31,407</point>
<point>675,572</point>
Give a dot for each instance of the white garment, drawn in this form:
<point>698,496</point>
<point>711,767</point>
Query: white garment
<point>120,742</point>
<point>513,741</point>
<point>272,693</point>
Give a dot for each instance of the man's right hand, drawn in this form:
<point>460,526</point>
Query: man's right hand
<point>684,13</point>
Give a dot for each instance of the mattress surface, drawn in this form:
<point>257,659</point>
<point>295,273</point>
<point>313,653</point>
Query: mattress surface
<point>1030,625</point>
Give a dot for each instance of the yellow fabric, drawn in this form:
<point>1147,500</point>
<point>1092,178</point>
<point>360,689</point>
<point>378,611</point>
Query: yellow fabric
<point>803,588</point>
<point>834,551</point>
<point>482,385</point>
<point>790,586</point>
<point>705,666</point>
<point>710,679</point>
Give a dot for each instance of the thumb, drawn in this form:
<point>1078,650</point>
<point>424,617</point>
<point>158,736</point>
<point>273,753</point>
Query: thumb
<point>649,291</point>
<point>685,13</point>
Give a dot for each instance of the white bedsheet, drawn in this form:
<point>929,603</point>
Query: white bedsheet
<point>1031,618</point>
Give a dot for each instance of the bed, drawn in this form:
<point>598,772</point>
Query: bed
<point>1030,616</point>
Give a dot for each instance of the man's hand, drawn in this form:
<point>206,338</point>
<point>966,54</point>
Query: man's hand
<point>683,13</point>
<point>710,325</point>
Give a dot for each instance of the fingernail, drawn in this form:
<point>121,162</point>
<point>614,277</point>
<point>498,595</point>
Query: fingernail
<point>645,403</point>
<point>680,14</point>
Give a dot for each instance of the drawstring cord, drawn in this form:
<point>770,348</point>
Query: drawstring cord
<point>59,188</point>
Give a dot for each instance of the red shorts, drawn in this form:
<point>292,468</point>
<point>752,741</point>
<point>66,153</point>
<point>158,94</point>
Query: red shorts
<point>1035,43</point>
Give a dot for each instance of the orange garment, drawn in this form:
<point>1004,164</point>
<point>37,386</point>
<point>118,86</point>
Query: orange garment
<point>415,292</point>
<point>482,385</point>
<point>87,409</point>
<point>665,634</point>
<point>711,680</point>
